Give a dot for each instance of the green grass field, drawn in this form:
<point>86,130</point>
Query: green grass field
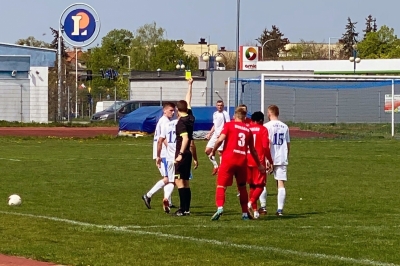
<point>82,206</point>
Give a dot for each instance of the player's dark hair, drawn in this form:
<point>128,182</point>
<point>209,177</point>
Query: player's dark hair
<point>274,109</point>
<point>257,117</point>
<point>168,104</point>
<point>220,101</point>
<point>182,106</point>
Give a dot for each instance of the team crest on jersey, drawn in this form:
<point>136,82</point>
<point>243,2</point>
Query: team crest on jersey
<point>80,24</point>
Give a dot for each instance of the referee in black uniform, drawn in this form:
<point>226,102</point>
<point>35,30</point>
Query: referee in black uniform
<point>183,156</point>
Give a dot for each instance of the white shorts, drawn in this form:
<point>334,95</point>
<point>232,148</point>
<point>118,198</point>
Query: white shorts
<point>280,172</point>
<point>211,142</point>
<point>167,169</point>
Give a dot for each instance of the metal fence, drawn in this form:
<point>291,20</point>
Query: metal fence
<point>316,101</point>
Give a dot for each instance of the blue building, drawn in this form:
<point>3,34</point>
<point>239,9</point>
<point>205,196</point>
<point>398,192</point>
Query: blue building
<point>24,82</point>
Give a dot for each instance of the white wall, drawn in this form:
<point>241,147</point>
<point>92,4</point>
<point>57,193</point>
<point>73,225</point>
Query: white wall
<point>171,91</point>
<point>14,94</point>
<point>39,80</point>
<point>331,65</point>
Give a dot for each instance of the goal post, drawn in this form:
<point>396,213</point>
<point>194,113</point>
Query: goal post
<point>310,98</point>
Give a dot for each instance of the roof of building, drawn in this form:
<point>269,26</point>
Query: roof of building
<point>29,47</point>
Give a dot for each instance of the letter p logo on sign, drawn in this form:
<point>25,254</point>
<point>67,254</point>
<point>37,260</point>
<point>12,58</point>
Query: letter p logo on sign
<point>80,25</point>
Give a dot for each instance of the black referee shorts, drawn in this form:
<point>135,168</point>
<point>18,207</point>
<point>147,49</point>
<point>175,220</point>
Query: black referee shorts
<point>183,168</point>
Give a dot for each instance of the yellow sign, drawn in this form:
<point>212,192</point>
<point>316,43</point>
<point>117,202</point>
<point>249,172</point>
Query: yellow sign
<point>89,89</point>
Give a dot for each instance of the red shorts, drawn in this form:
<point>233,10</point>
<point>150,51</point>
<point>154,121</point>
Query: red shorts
<point>227,171</point>
<point>255,177</point>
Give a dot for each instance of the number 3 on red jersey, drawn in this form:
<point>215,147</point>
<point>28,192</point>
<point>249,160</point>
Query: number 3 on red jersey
<point>242,139</point>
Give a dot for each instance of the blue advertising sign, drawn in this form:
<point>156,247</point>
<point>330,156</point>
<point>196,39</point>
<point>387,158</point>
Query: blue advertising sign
<point>80,25</point>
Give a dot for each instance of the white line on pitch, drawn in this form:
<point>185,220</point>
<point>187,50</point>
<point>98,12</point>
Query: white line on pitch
<point>8,159</point>
<point>211,241</point>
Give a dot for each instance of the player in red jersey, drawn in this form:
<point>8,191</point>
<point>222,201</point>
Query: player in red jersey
<point>238,140</point>
<point>256,179</point>
<point>247,121</point>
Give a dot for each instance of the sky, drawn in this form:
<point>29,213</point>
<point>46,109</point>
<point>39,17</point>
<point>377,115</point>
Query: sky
<point>215,20</point>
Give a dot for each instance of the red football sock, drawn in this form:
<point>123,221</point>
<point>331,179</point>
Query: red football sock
<point>255,196</point>
<point>244,198</point>
<point>220,197</point>
<point>251,191</point>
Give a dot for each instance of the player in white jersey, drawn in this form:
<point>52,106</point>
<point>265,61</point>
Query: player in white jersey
<point>167,143</point>
<point>169,110</point>
<point>220,117</point>
<point>280,146</point>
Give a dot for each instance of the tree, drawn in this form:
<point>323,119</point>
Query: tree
<point>308,50</point>
<point>147,37</point>
<point>113,52</point>
<point>166,54</point>
<point>349,38</point>
<point>276,42</point>
<point>381,44</point>
<point>370,25</point>
<point>230,60</point>
<point>149,34</point>
<point>54,43</point>
<point>32,41</point>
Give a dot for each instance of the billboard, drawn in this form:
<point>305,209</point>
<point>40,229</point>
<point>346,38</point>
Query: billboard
<point>388,103</point>
<point>248,57</point>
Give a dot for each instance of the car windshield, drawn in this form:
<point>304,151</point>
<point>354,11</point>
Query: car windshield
<point>115,106</point>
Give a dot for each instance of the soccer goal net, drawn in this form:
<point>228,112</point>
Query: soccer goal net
<point>321,98</point>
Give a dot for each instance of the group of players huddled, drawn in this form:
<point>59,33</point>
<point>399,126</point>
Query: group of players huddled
<point>249,150</point>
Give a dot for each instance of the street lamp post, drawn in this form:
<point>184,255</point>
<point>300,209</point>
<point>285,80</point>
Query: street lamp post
<point>354,59</point>
<point>129,70</point>
<point>180,66</point>
<point>262,47</point>
<point>237,52</point>
<point>329,46</point>
<point>211,59</point>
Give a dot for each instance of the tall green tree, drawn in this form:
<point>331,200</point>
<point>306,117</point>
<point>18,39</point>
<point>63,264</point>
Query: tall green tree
<point>370,25</point>
<point>380,44</point>
<point>349,38</point>
<point>276,42</point>
<point>147,38</point>
<point>112,54</point>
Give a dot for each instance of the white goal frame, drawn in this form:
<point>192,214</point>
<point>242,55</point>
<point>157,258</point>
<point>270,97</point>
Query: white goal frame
<point>305,77</point>
<point>265,77</point>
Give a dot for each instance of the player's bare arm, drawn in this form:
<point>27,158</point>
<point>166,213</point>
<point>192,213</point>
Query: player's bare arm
<point>267,152</point>
<point>188,97</point>
<point>288,149</point>
<point>217,144</point>
<point>160,142</point>
<point>193,150</point>
<point>208,136</point>
<point>185,143</point>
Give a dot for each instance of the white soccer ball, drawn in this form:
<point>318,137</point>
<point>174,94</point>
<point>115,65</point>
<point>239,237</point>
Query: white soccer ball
<point>14,200</point>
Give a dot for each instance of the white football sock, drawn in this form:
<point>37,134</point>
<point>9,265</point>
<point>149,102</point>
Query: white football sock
<point>263,198</point>
<point>213,161</point>
<point>168,189</point>
<point>159,185</point>
<point>281,197</point>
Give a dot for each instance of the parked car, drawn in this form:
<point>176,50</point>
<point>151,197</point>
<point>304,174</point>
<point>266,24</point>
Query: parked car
<point>120,109</point>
